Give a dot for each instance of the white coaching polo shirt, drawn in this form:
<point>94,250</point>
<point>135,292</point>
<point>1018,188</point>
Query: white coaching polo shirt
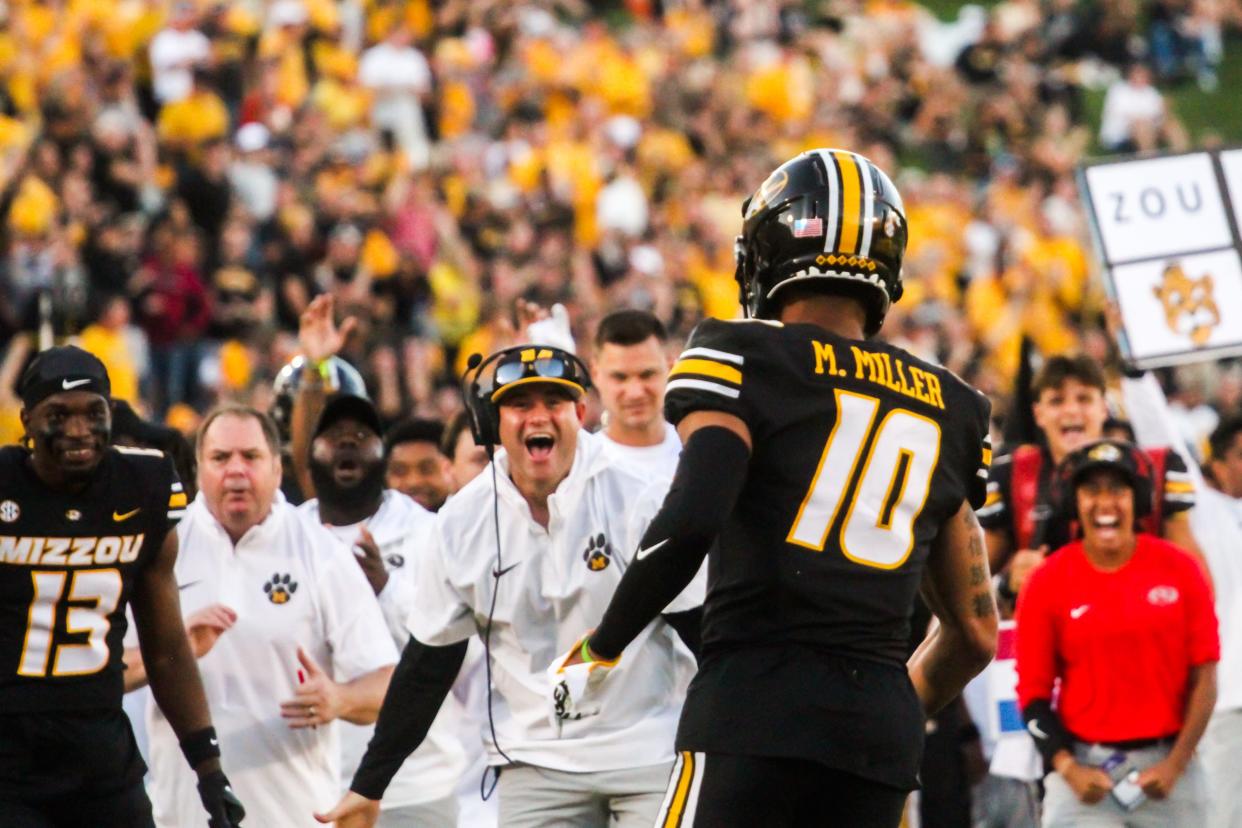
<point>660,459</point>
<point>554,586</point>
<point>401,528</point>
<point>292,585</point>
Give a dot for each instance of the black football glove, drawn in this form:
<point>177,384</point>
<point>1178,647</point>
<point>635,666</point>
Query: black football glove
<point>224,809</point>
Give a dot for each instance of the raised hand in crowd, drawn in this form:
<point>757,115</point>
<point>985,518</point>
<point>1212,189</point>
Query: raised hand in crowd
<point>318,334</point>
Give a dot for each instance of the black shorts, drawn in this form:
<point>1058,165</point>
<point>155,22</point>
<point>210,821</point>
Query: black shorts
<point>71,769</point>
<point>714,790</point>
<point>860,717</point>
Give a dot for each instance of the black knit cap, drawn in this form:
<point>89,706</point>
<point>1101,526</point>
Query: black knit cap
<point>65,368</point>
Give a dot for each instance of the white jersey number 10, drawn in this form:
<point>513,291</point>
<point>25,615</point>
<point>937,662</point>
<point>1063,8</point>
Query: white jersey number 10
<point>878,528</point>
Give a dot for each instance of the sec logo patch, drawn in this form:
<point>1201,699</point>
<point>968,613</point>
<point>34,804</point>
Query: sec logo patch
<point>10,511</point>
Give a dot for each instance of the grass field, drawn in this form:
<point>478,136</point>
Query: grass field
<point>1206,114</point>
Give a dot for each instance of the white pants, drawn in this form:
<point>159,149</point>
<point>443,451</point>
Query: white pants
<point>533,797</point>
<point>1186,807</point>
<point>439,813</point>
<point>1221,752</point>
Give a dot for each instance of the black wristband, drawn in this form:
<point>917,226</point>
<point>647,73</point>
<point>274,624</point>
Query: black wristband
<point>1045,726</point>
<point>200,746</point>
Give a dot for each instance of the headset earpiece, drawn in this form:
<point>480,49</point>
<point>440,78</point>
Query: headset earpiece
<point>482,413</point>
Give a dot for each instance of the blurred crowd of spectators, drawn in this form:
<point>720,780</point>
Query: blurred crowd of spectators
<point>179,179</point>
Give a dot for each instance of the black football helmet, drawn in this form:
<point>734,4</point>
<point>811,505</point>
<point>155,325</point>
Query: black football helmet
<point>827,215</point>
<point>339,377</point>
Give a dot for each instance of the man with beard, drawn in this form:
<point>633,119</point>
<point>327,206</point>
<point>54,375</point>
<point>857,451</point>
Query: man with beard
<point>89,528</point>
<point>384,527</point>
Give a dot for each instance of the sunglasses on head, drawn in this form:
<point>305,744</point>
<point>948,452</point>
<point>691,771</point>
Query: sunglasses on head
<point>552,367</point>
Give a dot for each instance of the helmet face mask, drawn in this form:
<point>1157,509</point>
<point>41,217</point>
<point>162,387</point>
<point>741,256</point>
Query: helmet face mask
<point>826,217</point>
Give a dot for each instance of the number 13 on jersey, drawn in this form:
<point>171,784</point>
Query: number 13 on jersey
<point>878,527</point>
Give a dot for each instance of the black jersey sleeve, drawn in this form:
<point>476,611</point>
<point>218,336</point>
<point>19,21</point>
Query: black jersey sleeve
<point>710,374</point>
<point>978,489</point>
<point>1178,489</point>
<point>994,514</point>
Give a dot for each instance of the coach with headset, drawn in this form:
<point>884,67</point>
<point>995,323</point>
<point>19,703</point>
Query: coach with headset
<point>1125,622</point>
<point>527,556</point>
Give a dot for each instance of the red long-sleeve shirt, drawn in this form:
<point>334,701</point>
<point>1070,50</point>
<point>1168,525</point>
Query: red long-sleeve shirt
<point>1121,643</point>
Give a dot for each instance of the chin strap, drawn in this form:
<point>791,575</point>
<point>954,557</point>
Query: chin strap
<point>739,257</point>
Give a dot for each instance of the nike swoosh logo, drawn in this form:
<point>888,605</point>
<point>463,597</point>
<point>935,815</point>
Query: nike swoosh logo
<point>1078,612</point>
<point>121,516</point>
<point>188,584</point>
<point>69,385</point>
<point>496,573</point>
<point>642,553</point>
<point>1035,731</point>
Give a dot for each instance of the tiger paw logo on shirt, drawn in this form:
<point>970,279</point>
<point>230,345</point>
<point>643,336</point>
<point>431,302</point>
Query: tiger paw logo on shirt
<point>280,588</point>
<point>597,554</point>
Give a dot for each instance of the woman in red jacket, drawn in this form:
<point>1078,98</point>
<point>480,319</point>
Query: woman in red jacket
<point>1125,623</point>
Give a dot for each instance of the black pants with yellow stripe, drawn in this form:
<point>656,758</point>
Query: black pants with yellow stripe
<point>715,790</point>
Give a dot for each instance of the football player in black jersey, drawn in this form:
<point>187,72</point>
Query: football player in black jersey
<point>832,477</point>
<point>85,529</point>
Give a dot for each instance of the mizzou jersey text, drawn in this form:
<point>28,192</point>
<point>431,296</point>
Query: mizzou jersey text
<point>860,453</point>
<point>67,566</point>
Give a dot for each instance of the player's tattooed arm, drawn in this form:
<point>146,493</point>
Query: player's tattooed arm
<point>958,591</point>
<point>981,599</point>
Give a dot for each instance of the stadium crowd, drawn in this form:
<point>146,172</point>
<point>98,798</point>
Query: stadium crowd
<point>180,180</point>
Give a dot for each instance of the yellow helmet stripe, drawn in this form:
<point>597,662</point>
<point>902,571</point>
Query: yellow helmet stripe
<point>851,202</point>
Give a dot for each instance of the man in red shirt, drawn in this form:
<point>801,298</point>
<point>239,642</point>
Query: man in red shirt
<point>1125,622</point>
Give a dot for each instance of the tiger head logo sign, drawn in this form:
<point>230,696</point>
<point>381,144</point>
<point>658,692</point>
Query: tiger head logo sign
<point>1189,304</point>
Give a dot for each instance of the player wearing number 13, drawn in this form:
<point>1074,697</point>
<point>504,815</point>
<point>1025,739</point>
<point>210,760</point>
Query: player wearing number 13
<point>831,476</point>
<point>84,530</point>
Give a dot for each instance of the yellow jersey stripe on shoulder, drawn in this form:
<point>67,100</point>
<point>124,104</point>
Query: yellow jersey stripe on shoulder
<point>1173,487</point>
<point>177,501</point>
<point>708,368</point>
<point>987,456</point>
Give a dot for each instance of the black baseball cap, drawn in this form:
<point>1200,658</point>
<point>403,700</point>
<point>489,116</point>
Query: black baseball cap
<point>64,368</point>
<point>1117,455</point>
<point>340,406</point>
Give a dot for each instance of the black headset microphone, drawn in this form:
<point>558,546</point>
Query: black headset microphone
<point>484,419</point>
<point>470,396</point>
